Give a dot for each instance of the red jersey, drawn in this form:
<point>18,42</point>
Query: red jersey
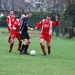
<point>46,26</point>
<point>10,20</point>
<point>16,26</point>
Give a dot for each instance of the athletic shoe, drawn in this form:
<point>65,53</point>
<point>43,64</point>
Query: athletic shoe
<point>26,53</point>
<point>9,51</point>
<point>18,50</point>
<point>43,54</point>
<point>21,53</point>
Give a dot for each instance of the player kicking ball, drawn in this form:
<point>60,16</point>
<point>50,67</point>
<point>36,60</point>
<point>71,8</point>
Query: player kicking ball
<point>24,33</point>
<point>46,32</point>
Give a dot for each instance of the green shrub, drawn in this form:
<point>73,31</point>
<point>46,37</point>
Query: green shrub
<point>37,16</point>
<point>3,21</point>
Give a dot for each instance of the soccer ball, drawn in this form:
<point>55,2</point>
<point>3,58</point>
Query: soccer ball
<point>32,52</point>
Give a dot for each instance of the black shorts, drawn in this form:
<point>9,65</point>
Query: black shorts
<point>25,35</point>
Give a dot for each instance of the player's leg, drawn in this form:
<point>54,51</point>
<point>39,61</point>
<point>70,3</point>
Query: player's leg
<point>24,47</point>
<point>26,42</point>
<point>48,39</point>
<point>9,35</point>
<point>9,39</point>
<point>49,47</point>
<point>11,43</point>
<point>42,46</point>
<point>11,46</point>
<point>20,42</point>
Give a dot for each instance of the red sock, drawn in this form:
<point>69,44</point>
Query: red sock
<point>49,47</point>
<point>19,45</point>
<point>43,48</point>
<point>11,46</point>
<point>9,39</point>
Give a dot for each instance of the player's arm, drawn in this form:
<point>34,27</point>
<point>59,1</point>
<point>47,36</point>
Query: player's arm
<point>55,23</point>
<point>15,25</point>
<point>9,22</point>
<point>38,25</point>
<point>30,28</point>
<point>21,24</point>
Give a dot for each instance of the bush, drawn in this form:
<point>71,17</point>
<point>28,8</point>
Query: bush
<point>37,16</point>
<point>3,21</point>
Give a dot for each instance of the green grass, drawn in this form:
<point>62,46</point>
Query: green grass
<point>60,62</point>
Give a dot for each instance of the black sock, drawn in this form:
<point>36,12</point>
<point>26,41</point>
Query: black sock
<point>26,47</point>
<point>23,48</point>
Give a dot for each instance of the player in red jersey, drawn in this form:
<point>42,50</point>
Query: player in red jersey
<point>46,32</point>
<point>15,34</point>
<point>10,21</point>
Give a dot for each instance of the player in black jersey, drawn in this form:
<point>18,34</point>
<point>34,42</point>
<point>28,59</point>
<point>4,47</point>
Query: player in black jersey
<point>24,33</point>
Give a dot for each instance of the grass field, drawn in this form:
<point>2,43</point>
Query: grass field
<point>60,62</point>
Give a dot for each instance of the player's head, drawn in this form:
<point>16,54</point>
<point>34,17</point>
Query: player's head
<point>48,17</point>
<point>22,16</point>
<point>11,12</point>
<point>29,14</point>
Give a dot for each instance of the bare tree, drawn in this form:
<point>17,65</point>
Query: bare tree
<point>0,4</point>
<point>45,5</point>
<point>12,3</point>
<point>21,5</point>
<point>70,2</point>
<point>4,4</point>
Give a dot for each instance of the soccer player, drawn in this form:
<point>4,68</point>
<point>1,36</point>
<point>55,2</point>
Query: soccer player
<point>15,33</point>
<point>24,33</point>
<point>46,32</point>
<point>10,21</point>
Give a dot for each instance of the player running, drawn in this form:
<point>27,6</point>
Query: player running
<point>46,32</point>
<point>15,33</point>
<point>10,21</point>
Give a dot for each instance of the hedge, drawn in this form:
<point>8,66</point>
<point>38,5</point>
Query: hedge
<point>3,21</point>
<point>37,16</point>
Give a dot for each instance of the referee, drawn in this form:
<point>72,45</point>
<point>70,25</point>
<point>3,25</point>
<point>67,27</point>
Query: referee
<point>24,33</point>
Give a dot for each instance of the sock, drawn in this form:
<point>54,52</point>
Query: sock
<point>43,48</point>
<point>19,45</point>
<point>11,46</point>
<point>9,39</point>
<point>49,49</point>
<point>26,47</point>
<point>23,48</point>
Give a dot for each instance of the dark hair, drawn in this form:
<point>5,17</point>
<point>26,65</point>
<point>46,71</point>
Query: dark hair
<point>49,15</point>
<point>28,12</point>
<point>11,10</point>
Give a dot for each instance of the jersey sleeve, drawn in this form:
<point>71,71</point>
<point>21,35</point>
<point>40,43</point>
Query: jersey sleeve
<point>38,25</point>
<point>7,20</point>
<point>21,25</point>
<point>55,23</point>
<point>15,23</point>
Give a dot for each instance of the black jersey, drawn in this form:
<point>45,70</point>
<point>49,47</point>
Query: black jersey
<point>24,25</point>
<point>24,28</point>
